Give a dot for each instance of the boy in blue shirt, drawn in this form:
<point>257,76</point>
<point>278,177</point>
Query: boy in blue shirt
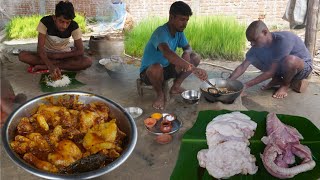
<point>160,62</point>
<point>281,56</point>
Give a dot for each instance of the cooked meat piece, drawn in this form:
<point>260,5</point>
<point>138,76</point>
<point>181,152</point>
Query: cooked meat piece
<point>42,122</point>
<point>24,126</point>
<point>87,120</point>
<point>22,144</point>
<point>55,135</point>
<point>65,154</point>
<point>101,136</point>
<point>44,165</point>
<point>33,141</point>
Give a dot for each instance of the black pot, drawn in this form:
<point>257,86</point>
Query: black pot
<point>228,98</point>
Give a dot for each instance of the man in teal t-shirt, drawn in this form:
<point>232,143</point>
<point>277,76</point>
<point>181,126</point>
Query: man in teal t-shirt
<point>160,62</point>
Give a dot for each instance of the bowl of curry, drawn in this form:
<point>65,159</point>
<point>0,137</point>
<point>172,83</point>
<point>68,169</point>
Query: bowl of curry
<point>68,135</point>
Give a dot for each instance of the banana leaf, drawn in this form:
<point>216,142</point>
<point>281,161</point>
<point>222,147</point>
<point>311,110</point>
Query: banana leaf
<point>73,85</point>
<point>187,166</point>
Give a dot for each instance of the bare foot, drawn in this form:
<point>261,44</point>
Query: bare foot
<point>274,82</point>
<point>159,102</point>
<point>39,67</point>
<point>176,90</point>
<point>282,92</point>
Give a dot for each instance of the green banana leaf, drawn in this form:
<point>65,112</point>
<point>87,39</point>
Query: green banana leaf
<point>73,85</point>
<point>187,166</point>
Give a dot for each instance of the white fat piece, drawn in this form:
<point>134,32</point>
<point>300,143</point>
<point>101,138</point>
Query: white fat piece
<point>228,159</point>
<point>227,138</point>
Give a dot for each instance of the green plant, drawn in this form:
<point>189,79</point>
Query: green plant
<point>21,27</point>
<point>211,37</point>
<point>137,38</point>
<point>81,20</point>
<point>217,37</point>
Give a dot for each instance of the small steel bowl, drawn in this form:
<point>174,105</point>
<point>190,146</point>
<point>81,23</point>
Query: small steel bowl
<point>134,111</point>
<point>191,96</point>
<point>16,51</point>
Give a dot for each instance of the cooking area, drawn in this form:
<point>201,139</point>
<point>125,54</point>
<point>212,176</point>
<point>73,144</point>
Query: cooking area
<point>149,158</point>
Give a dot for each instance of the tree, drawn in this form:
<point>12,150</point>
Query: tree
<point>311,28</point>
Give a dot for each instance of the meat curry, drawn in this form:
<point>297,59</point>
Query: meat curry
<point>63,132</point>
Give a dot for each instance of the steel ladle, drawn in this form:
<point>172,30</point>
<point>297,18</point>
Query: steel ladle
<point>213,89</point>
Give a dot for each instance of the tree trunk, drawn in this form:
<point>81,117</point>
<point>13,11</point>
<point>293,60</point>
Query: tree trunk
<point>311,28</point>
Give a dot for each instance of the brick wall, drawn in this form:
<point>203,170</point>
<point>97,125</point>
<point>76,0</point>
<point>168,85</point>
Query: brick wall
<point>244,10</point>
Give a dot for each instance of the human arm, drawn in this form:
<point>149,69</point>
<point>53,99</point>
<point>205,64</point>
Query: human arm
<point>78,51</point>
<point>54,70</point>
<point>187,50</point>
<point>240,70</point>
<point>200,73</point>
<point>173,58</point>
<point>264,76</point>
<point>182,63</point>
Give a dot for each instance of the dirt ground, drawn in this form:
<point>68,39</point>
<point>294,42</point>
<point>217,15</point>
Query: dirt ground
<point>150,160</point>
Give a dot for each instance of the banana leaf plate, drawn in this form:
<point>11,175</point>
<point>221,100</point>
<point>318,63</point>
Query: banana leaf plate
<point>73,85</point>
<point>187,166</point>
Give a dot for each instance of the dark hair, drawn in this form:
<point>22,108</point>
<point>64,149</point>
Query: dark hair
<point>65,9</point>
<point>180,8</point>
<point>255,28</point>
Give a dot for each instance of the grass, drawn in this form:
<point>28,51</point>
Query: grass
<point>22,27</point>
<point>137,38</point>
<point>211,37</point>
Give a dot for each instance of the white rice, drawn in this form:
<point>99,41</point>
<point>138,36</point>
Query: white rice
<point>64,81</point>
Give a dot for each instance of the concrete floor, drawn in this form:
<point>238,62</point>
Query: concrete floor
<point>150,160</point>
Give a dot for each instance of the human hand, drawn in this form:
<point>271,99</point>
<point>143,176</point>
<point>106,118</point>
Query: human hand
<point>244,93</point>
<point>55,72</point>
<point>200,73</point>
<point>189,67</point>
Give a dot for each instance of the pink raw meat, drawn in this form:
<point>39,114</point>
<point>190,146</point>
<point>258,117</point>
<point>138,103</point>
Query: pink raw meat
<point>282,146</point>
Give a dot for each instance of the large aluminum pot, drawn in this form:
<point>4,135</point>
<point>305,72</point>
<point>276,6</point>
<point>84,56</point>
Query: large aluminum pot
<point>124,121</point>
<point>228,98</point>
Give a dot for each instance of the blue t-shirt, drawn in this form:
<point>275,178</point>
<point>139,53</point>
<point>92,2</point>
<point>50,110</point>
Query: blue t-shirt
<point>283,44</point>
<point>152,55</point>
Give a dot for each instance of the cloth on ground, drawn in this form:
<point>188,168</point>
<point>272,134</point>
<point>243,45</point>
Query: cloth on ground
<point>31,70</point>
<point>296,12</point>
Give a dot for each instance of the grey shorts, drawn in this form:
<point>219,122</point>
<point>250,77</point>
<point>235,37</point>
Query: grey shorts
<point>303,74</point>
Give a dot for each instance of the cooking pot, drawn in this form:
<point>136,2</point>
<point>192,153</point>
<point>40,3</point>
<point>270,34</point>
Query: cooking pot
<point>234,86</point>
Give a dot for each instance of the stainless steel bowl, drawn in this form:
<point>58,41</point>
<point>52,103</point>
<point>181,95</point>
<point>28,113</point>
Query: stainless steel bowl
<point>134,111</point>
<point>124,121</point>
<point>191,96</point>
